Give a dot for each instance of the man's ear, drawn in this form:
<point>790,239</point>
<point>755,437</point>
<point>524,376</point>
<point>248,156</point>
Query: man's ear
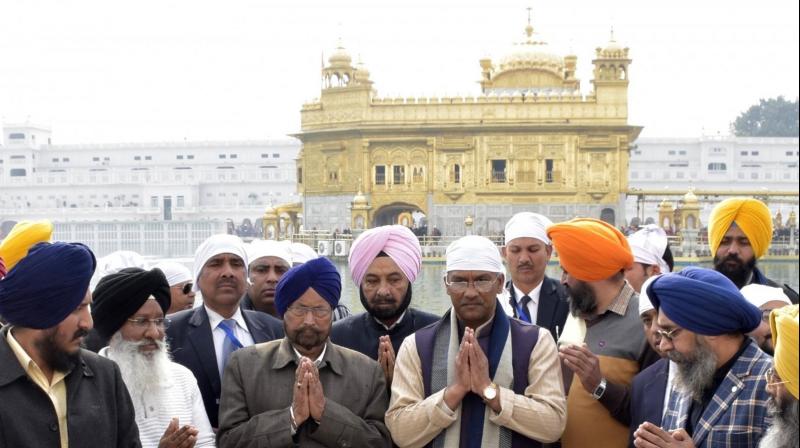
<point>503,251</point>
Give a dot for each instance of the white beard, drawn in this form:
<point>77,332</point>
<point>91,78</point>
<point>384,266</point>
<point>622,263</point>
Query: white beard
<point>783,432</point>
<point>144,374</point>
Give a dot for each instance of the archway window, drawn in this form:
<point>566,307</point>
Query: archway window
<point>380,174</point>
<point>455,174</point>
<point>498,171</point>
<point>398,174</point>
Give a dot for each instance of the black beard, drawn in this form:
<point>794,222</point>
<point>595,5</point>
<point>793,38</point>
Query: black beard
<point>740,274</point>
<point>783,432</point>
<point>54,356</point>
<point>386,314</point>
<point>582,301</point>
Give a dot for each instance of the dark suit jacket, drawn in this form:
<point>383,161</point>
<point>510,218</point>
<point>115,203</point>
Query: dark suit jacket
<point>647,395</point>
<point>192,346</point>
<point>99,409</point>
<point>553,306</point>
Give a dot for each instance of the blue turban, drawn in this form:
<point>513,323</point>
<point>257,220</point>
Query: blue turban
<point>703,301</point>
<point>319,274</point>
<point>47,285</point>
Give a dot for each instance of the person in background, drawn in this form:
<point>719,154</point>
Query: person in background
<point>765,298</point>
<point>269,260</point>
<point>651,255</point>
<point>782,381</point>
<point>180,285</point>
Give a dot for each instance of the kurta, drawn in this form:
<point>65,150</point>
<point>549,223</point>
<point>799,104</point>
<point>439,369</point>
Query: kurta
<point>258,388</point>
<point>361,331</point>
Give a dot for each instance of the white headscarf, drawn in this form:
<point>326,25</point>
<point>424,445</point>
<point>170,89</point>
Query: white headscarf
<point>473,253</point>
<point>175,272</point>
<point>115,262</point>
<point>527,224</point>
<point>269,248</point>
<point>648,245</point>
<point>644,301</point>
<point>758,295</point>
<point>302,253</point>
<point>215,245</point>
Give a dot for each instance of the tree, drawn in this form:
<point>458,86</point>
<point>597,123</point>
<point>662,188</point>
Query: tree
<point>774,117</point>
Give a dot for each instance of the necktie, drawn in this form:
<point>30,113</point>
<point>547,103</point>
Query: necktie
<point>525,314</point>
<point>230,344</point>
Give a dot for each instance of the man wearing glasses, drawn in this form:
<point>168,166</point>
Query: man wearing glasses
<point>128,311</point>
<point>782,384</point>
<point>720,396</point>
<point>303,390</point>
<point>180,285</point>
<point>477,377</point>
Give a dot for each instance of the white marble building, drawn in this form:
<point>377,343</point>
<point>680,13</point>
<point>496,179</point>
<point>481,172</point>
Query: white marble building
<point>720,164</point>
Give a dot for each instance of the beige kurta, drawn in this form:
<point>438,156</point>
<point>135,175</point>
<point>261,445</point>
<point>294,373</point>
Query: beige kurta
<point>541,413</point>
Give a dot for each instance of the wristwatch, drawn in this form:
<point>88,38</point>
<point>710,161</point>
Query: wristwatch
<point>490,392</point>
<point>599,390</point>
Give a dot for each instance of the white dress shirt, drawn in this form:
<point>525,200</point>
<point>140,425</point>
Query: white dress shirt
<point>241,332</point>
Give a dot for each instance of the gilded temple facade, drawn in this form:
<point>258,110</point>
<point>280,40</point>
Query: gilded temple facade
<point>530,141</point>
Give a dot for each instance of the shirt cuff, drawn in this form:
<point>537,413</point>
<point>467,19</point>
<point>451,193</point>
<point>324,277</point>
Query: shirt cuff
<point>506,397</point>
<point>292,424</point>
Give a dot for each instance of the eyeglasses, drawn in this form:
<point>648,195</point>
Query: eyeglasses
<point>480,285</point>
<point>187,288</point>
<point>773,379</point>
<point>301,311</point>
<point>141,323</point>
<point>765,315</point>
<point>668,335</point>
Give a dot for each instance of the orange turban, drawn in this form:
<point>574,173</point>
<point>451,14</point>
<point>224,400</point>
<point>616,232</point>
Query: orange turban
<point>751,215</point>
<point>590,249</point>
<point>23,236</point>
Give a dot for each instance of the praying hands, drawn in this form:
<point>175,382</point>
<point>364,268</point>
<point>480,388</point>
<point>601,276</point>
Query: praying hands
<point>472,374</point>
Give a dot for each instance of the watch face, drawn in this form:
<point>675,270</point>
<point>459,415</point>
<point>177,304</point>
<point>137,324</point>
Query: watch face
<point>489,392</point>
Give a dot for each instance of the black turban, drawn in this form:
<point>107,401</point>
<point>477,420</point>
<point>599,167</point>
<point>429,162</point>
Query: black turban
<point>118,296</point>
<point>46,285</point>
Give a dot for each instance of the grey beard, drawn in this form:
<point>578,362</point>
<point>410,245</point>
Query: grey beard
<point>695,373</point>
<point>142,374</point>
<point>783,432</point>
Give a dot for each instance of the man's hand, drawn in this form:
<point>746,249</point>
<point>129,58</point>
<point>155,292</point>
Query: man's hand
<point>316,396</point>
<point>478,364</point>
<point>386,358</point>
<point>583,363</point>
<point>455,392</point>
<point>649,435</point>
<point>300,405</point>
<point>173,437</point>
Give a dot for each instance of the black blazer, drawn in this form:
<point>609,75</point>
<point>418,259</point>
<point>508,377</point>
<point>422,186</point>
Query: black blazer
<point>192,345</point>
<point>647,395</point>
<point>553,306</point>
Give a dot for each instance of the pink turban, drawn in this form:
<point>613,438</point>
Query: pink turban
<point>398,242</point>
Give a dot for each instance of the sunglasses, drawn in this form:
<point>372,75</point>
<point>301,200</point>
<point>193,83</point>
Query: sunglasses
<point>187,288</point>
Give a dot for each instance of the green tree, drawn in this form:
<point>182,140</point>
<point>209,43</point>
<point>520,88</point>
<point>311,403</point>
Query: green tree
<point>774,117</point>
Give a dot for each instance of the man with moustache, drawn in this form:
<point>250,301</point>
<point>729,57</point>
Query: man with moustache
<point>180,285</point>
<point>303,390</point>
<point>765,298</point>
<point>602,362</point>
<point>384,262</point>
<point>651,255</point>
<point>739,233</point>
<point>534,297</point>
<point>783,381</point>
<point>477,377</point>
<point>202,339</point>
<point>720,382</point>
<point>269,260</point>
<point>128,311</point>
<point>54,393</point>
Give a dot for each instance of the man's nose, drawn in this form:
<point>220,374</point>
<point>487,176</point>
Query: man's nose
<point>308,318</point>
<point>665,344</point>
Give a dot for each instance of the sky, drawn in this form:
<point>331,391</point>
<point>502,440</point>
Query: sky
<point>98,71</point>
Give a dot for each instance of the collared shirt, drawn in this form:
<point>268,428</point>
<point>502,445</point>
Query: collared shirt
<point>56,389</point>
<point>317,361</point>
<point>396,323</point>
<point>241,332</point>
<point>533,305</point>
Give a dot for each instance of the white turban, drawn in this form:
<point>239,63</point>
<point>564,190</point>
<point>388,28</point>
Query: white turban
<point>175,272</point>
<point>473,253</point>
<point>215,245</point>
<point>758,295</point>
<point>527,224</point>
<point>302,253</point>
<point>644,302</point>
<point>648,246</point>
<point>115,262</point>
<point>269,248</point>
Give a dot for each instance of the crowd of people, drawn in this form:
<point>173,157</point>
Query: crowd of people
<point>620,351</point>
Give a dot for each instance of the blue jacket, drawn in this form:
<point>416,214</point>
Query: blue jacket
<point>647,395</point>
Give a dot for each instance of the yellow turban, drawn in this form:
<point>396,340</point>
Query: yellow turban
<point>22,237</point>
<point>590,249</point>
<point>784,324</point>
<point>751,215</point>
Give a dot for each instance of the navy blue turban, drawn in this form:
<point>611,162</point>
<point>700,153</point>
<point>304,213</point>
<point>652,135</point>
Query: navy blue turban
<point>319,274</point>
<point>47,285</point>
<point>703,301</point>
<point>119,296</point>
